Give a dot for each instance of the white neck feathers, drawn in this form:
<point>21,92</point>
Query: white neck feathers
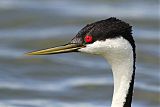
<point>121,62</point>
<point>119,54</point>
<point>122,75</point>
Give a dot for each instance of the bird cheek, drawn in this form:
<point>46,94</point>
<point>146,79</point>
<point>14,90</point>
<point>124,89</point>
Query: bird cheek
<point>85,49</point>
<point>89,50</point>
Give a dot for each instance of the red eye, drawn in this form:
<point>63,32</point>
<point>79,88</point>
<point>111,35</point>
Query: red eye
<point>88,39</point>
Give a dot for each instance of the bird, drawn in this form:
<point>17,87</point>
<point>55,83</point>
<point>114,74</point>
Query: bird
<point>112,39</point>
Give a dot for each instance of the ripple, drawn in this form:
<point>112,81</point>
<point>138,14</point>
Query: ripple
<point>51,103</point>
<point>47,103</point>
<point>37,33</point>
<point>140,10</point>
<point>70,83</point>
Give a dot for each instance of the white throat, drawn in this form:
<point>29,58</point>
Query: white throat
<point>119,54</point>
<point>122,75</point>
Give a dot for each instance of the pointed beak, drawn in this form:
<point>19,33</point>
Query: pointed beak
<point>56,50</point>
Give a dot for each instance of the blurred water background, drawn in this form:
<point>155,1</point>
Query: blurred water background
<point>73,79</point>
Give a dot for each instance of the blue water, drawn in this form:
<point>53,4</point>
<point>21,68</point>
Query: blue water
<point>73,79</point>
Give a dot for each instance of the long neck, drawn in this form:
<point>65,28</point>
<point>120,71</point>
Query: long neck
<point>123,75</point>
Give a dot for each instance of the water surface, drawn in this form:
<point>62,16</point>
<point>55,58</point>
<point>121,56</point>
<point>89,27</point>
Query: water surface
<point>73,79</point>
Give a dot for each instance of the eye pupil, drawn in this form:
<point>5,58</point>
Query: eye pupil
<point>88,39</point>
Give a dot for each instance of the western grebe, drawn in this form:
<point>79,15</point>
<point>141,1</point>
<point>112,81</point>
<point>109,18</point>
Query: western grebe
<point>112,39</point>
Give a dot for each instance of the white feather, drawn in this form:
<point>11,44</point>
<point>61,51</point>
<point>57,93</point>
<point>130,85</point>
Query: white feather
<point>119,54</point>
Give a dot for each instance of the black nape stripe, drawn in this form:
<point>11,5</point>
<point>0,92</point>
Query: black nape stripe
<point>130,93</point>
<point>128,101</point>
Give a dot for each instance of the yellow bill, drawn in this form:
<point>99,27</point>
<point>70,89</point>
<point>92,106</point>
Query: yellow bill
<point>56,50</point>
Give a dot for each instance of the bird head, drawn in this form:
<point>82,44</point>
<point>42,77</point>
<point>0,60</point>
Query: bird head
<point>108,36</point>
